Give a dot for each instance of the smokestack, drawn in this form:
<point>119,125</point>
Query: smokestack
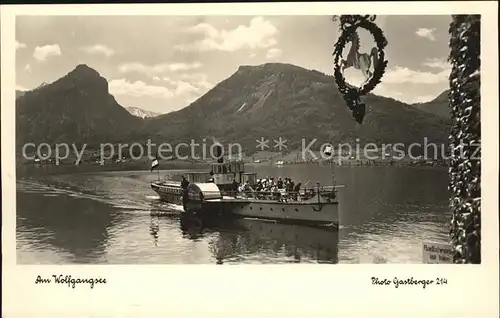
<point>218,151</point>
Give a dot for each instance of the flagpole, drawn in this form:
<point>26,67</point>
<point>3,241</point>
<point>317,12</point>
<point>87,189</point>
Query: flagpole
<point>154,165</point>
<point>332,171</point>
<point>156,157</point>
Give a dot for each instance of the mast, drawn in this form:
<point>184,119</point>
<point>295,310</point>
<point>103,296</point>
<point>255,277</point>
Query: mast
<point>329,152</point>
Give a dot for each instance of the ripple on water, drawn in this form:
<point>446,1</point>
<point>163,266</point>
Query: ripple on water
<point>400,242</point>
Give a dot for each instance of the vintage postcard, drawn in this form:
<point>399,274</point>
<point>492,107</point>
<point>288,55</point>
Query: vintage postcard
<point>152,153</point>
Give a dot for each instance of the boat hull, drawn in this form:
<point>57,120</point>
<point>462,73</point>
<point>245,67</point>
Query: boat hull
<point>170,193</point>
<point>307,212</point>
<point>313,211</point>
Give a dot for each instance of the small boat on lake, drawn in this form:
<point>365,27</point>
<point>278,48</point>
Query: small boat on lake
<point>215,192</point>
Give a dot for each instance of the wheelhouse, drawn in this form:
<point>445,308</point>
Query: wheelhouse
<point>224,173</point>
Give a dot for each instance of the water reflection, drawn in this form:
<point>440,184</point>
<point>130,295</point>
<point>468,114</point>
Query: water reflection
<point>154,229</point>
<point>75,226</point>
<point>239,238</point>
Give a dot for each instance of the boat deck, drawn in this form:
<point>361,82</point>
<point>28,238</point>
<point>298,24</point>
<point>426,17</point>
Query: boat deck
<point>168,183</point>
<point>268,201</point>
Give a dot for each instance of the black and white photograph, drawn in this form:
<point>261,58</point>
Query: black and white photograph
<point>264,159</point>
<point>271,139</point>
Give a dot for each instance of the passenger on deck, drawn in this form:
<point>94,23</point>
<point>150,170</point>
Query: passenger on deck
<point>258,186</point>
<point>279,184</point>
<point>285,190</point>
<point>275,192</point>
<point>234,188</point>
<point>296,190</point>
<point>247,190</point>
<point>262,189</point>
<point>211,179</point>
<point>291,185</point>
<point>184,183</point>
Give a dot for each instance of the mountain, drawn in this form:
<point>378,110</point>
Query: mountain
<point>282,100</point>
<point>438,106</point>
<point>141,112</point>
<point>75,108</point>
<point>265,101</point>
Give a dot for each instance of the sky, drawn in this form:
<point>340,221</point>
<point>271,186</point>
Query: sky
<point>163,63</point>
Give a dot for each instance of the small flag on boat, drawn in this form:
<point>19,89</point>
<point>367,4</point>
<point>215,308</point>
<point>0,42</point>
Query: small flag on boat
<point>154,164</point>
<point>328,150</point>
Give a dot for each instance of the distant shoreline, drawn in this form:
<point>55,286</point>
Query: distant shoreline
<point>26,168</point>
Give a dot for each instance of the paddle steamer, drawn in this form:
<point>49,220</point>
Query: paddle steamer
<point>214,192</point>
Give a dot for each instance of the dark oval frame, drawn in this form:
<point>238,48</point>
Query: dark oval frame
<point>379,69</point>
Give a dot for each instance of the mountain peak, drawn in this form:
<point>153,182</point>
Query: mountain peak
<point>85,78</point>
<point>141,113</point>
<point>77,107</point>
<point>273,66</point>
<point>85,70</point>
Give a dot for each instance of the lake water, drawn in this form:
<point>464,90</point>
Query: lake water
<point>104,218</point>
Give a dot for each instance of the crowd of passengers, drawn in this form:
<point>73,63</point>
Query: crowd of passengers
<point>268,188</point>
<point>272,189</point>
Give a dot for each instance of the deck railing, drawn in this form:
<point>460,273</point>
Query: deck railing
<point>301,195</point>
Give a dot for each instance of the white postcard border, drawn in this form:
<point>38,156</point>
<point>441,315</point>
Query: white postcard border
<point>254,290</point>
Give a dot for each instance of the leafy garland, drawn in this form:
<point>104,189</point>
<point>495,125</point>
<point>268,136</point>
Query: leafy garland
<point>465,164</point>
<point>352,95</point>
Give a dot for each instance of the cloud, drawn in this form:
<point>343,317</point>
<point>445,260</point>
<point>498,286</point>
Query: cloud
<point>138,89</point>
<point>387,91</point>
<point>21,88</point>
<point>426,33</point>
<point>27,68</point>
<point>198,79</point>
<point>98,49</point>
<point>158,68</point>
<point>260,33</point>
<point>383,90</point>
<point>183,66</point>
<point>400,75</point>
<point>42,53</point>
<point>390,85</point>
<point>273,53</point>
<point>190,84</point>
<point>437,63</point>
<point>183,87</point>
<point>20,45</point>
<point>423,99</point>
